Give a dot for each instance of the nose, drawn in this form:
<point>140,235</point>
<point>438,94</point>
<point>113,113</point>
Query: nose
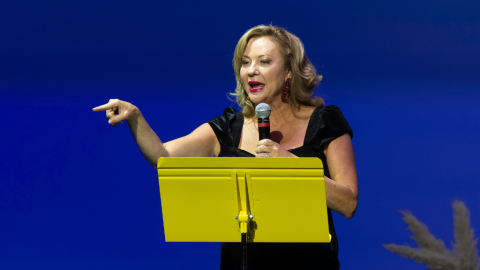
<point>252,70</point>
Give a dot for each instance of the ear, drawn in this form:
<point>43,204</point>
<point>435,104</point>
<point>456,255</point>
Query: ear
<point>288,75</point>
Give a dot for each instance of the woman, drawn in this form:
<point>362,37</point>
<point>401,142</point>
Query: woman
<point>270,67</point>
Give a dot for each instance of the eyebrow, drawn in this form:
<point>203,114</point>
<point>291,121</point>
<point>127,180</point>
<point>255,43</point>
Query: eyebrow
<point>258,56</point>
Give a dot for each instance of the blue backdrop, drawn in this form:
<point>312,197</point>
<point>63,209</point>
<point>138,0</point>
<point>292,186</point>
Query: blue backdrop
<point>76,193</point>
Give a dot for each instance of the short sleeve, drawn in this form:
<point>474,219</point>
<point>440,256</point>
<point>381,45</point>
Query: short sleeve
<point>221,125</point>
<point>329,124</point>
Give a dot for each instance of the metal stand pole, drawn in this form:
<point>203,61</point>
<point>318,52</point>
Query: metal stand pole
<point>244,249</point>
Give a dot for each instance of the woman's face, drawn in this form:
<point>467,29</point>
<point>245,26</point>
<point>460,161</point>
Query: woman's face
<point>263,72</point>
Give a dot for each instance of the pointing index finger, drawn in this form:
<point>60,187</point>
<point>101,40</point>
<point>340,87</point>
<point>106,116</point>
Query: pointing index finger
<point>105,107</point>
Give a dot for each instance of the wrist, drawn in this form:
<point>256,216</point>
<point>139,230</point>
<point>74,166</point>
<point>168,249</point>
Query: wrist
<point>134,115</point>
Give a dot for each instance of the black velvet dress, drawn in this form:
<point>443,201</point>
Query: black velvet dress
<point>325,124</point>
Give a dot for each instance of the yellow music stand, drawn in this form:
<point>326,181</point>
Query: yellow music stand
<point>224,199</point>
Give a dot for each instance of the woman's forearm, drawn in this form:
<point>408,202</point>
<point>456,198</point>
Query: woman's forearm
<point>148,142</point>
<point>202,142</point>
<point>342,188</point>
<point>340,198</point>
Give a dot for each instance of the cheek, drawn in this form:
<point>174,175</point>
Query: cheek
<point>273,75</point>
<point>276,78</point>
<point>244,81</point>
<point>243,74</point>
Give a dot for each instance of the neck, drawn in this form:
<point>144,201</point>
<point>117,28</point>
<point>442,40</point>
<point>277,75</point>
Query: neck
<point>280,112</point>
<point>280,115</point>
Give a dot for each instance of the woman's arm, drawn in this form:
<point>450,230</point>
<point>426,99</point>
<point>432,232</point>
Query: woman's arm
<point>342,189</point>
<point>202,142</point>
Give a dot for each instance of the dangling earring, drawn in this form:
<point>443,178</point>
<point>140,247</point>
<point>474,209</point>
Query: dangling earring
<point>287,88</point>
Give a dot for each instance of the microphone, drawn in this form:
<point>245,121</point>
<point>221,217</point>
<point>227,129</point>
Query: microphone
<point>263,112</point>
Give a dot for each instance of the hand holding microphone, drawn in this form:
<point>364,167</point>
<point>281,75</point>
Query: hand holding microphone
<point>265,146</point>
<point>263,113</point>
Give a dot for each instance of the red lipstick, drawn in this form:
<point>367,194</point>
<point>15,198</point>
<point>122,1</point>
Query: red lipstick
<point>255,86</point>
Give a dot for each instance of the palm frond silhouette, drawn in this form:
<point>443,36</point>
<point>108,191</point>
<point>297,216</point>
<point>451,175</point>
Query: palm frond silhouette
<point>433,252</point>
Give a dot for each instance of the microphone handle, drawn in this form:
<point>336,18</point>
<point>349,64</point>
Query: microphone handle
<point>263,128</point>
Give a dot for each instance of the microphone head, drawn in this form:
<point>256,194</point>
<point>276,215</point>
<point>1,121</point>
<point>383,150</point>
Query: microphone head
<point>262,110</point>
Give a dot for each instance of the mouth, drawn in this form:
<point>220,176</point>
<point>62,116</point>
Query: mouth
<point>256,86</point>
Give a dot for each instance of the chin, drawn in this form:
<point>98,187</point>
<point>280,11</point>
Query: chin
<point>257,101</point>
<point>261,100</point>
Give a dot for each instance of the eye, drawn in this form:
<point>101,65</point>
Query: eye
<point>265,62</point>
<point>245,62</point>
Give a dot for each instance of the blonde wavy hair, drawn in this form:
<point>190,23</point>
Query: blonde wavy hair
<point>304,75</point>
